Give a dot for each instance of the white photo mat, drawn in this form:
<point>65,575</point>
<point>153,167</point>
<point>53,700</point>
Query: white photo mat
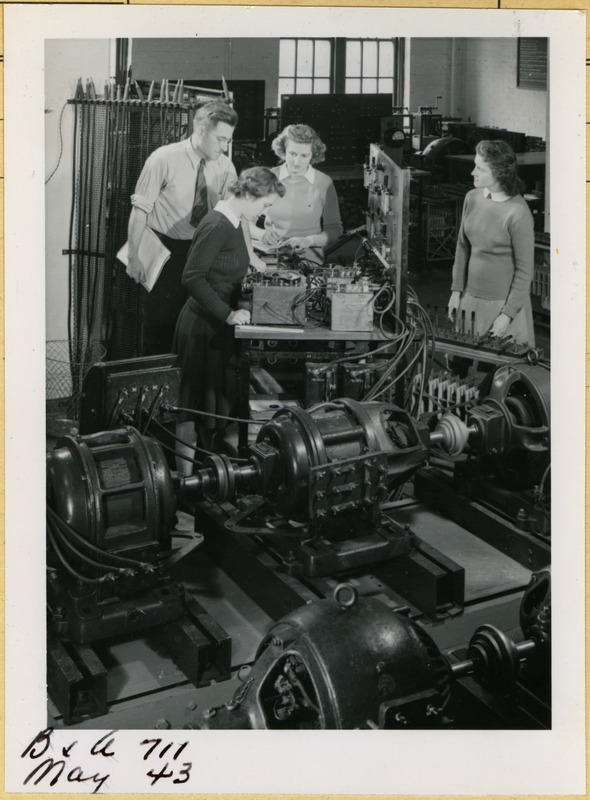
<point>358,762</point>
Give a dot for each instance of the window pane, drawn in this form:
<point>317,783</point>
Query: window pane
<point>286,86</point>
<point>369,86</point>
<point>385,86</point>
<point>370,58</point>
<point>353,86</point>
<point>321,86</point>
<point>287,57</point>
<point>323,53</point>
<point>304,58</point>
<point>386,58</point>
<point>353,59</point>
<point>304,85</point>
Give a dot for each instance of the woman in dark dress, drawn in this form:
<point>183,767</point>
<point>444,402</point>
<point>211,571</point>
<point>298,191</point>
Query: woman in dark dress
<point>216,264</point>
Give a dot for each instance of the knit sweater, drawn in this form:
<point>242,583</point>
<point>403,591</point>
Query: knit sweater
<point>216,263</point>
<point>494,257</point>
<point>307,207</point>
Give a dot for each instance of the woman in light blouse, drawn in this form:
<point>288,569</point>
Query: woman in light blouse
<point>307,218</point>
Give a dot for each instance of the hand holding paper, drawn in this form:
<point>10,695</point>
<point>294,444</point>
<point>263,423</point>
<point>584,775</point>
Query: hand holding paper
<point>135,269</point>
<point>147,265</point>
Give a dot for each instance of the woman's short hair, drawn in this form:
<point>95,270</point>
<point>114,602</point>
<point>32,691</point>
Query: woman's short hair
<point>257,182</point>
<point>214,112</point>
<point>302,134</point>
<point>502,161</point>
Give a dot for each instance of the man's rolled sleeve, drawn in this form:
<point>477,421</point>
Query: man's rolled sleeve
<point>138,201</point>
<point>149,184</point>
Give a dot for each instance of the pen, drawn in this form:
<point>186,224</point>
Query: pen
<point>273,228</point>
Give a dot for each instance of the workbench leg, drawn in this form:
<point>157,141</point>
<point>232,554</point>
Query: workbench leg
<point>243,397</point>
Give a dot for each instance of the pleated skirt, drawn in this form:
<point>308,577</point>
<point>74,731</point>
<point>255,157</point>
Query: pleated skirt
<point>476,315</point>
<point>208,367</point>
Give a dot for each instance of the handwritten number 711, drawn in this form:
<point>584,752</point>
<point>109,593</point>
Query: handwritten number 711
<point>156,743</point>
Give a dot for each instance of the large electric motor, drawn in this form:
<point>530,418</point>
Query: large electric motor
<point>338,663</point>
<point>110,512</point>
<point>114,488</point>
<point>354,662</point>
<point>509,430</point>
<point>339,456</point>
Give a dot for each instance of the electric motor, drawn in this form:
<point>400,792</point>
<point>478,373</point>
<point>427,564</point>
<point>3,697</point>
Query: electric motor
<point>339,664</point>
<point>509,429</point>
<point>114,489</point>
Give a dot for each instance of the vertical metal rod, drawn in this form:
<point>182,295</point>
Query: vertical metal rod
<point>95,221</point>
<point>107,285</point>
<point>71,346</point>
<point>142,155</point>
<point>92,232</point>
<point>82,245</point>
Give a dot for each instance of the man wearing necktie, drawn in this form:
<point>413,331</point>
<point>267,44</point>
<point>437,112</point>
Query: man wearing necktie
<point>178,185</point>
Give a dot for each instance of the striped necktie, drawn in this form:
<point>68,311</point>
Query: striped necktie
<point>200,204</point>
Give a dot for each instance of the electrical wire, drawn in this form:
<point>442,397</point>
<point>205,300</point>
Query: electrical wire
<point>544,478</point>
<point>67,566</point>
<point>83,557</point>
<point>169,449</point>
<point>210,414</point>
<point>190,444</point>
<point>114,557</point>
<point>61,144</point>
<point>392,364</point>
<point>398,376</point>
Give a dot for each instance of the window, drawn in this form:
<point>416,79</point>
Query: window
<point>305,66</point>
<point>370,66</point>
<point>351,66</point>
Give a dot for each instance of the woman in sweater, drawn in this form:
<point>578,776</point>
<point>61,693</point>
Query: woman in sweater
<point>307,218</point>
<point>493,269</point>
<point>216,264</point>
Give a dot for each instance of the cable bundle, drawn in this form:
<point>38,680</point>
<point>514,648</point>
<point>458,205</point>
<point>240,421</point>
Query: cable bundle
<point>64,539</point>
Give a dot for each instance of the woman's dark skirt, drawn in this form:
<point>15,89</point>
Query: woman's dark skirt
<point>208,365</point>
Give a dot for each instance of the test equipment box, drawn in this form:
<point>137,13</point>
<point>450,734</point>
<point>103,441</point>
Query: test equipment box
<point>278,305</point>
<point>351,311</point>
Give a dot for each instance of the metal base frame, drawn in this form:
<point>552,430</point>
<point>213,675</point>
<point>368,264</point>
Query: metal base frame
<point>270,572</point>
<point>438,491</point>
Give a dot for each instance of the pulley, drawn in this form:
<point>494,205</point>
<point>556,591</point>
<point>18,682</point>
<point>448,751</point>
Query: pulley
<point>509,429</point>
<point>353,662</point>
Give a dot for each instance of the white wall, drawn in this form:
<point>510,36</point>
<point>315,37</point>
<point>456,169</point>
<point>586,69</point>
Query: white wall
<point>429,75</point>
<point>490,91</point>
<point>477,78</point>
<point>66,60</point>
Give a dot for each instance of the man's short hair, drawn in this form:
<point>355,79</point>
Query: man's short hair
<point>209,114</point>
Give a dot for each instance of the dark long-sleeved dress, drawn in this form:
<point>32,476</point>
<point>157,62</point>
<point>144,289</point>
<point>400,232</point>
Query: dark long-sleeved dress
<point>216,264</point>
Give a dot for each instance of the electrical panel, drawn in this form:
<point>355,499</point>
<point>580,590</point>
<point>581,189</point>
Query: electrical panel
<point>387,219</point>
<point>347,123</point>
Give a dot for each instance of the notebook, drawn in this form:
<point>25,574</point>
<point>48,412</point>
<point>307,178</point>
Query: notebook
<point>152,254</point>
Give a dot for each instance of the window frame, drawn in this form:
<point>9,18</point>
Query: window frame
<point>337,78</point>
<point>377,76</point>
<point>313,77</point>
